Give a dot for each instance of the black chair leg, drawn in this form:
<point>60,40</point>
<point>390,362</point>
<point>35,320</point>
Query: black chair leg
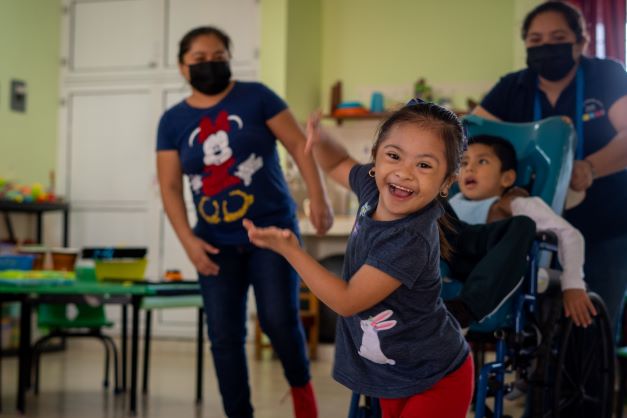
<point>36,360</point>
<point>116,380</point>
<point>105,382</point>
<point>199,355</point>
<point>147,335</point>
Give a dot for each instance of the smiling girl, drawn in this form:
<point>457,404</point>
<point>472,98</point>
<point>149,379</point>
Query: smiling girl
<point>395,339</point>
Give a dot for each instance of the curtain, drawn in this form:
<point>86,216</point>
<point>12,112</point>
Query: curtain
<point>610,14</point>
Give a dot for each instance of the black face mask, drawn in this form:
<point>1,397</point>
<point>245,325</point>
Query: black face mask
<point>551,61</point>
<point>210,77</point>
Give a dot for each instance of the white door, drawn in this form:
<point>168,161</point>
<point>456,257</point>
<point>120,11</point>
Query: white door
<point>110,162</point>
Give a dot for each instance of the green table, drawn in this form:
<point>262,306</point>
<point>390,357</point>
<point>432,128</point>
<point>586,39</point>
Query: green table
<point>136,294</point>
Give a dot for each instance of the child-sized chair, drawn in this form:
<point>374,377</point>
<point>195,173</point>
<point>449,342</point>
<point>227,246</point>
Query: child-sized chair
<point>88,322</point>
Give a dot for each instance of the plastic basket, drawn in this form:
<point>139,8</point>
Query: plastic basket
<point>121,269</point>
<point>16,262</point>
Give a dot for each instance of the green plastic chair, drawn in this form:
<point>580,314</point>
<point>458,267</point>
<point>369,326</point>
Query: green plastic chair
<point>88,322</point>
<point>545,151</point>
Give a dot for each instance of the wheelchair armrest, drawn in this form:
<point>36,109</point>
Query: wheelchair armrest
<point>546,237</point>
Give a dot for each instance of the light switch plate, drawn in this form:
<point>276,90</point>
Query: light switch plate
<point>18,96</point>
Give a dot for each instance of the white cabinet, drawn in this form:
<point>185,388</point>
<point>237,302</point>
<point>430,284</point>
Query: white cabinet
<point>119,74</point>
<point>128,39</point>
<point>113,35</point>
<point>238,18</point>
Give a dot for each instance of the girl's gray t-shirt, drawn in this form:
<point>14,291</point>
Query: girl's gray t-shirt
<point>408,342</point>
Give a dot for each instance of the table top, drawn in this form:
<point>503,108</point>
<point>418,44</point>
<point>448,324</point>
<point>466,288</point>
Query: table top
<point>9,206</point>
<point>102,288</point>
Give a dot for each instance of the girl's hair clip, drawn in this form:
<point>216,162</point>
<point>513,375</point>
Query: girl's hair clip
<point>415,101</point>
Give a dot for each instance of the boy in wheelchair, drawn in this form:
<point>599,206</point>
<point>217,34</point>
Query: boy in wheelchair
<point>487,174</point>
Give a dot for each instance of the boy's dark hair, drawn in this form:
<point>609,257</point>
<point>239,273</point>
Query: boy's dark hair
<point>572,15</point>
<point>503,149</point>
<point>447,126</point>
<point>190,36</point>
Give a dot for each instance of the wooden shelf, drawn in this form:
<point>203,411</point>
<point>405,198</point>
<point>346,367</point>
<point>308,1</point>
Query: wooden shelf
<point>368,116</point>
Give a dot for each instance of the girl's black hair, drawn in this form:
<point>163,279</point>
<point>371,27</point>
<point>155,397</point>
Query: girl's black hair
<point>572,15</point>
<point>447,126</point>
<point>190,36</point>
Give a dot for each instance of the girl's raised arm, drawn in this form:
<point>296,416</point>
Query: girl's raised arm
<point>329,153</point>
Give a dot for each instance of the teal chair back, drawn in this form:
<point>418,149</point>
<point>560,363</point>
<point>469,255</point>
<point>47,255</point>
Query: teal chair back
<point>545,151</point>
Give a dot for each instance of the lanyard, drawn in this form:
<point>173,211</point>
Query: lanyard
<point>579,87</point>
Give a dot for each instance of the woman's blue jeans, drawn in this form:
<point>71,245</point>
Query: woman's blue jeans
<point>276,286</point>
<point>606,273</point>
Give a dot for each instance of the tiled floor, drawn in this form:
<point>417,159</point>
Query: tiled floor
<point>71,386</point>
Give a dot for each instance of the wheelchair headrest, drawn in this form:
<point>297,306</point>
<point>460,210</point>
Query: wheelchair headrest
<point>544,149</point>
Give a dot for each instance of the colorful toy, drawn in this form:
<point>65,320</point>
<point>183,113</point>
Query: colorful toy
<point>15,192</point>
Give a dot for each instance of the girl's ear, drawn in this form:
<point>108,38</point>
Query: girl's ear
<point>508,178</point>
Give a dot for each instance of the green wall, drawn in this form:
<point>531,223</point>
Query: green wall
<point>460,47</point>
<point>29,51</point>
<point>273,51</point>
<point>290,52</point>
<point>457,45</point>
<point>304,56</point>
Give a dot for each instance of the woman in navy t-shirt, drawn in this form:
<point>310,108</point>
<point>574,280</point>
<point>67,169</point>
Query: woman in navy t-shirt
<point>223,138</point>
<point>592,92</point>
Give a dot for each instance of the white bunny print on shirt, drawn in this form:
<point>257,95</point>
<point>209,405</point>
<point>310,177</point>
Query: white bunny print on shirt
<point>370,344</point>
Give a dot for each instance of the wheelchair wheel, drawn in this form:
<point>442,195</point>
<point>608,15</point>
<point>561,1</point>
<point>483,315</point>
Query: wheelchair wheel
<point>580,373</point>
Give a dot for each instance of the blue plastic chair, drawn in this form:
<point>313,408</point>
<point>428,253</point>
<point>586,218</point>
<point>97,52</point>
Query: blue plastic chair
<point>545,151</point>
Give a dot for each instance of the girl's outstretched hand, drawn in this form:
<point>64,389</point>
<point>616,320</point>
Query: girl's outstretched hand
<point>578,307</point>
<point>313,130</point>
<point>273,238</point>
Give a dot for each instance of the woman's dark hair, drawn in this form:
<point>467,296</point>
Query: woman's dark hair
<point>503,149</point>
<point>572,15</point>
<point>444,124</point>
<point>190,36</point>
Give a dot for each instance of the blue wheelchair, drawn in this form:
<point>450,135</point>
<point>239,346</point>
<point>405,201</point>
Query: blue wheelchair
<point>567,371</point>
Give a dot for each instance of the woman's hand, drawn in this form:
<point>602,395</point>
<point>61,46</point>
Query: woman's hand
<point>197,250</point>
<point>273,238</point>
<point>582,176</point>
<point>320,214</point>
<point>578,306</point>
<point>313,130</point>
